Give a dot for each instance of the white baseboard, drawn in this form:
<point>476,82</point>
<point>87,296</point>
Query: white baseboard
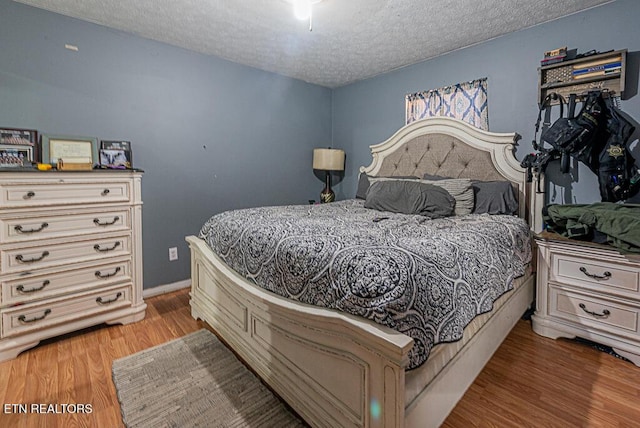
<point>165,288</point>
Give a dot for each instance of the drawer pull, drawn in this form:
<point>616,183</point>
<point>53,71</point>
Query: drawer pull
<point>104,250</point>
<point>24,319</point>
<point>43,226</point>
<point>605,275</point>
<point>29,195</point>
<point>106,223</point>
<point>107,275</point>
<point>106,302</point>
<point>105,192</point>
<point>605,313</point>
<point>21,259</point>
<point>21,289</point>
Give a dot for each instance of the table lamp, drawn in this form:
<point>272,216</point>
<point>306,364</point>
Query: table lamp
<point>328,160</point>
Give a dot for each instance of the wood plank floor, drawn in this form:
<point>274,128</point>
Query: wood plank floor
<point>531,381</point>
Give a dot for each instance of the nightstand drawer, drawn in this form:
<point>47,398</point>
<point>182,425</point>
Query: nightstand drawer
<point>31,258</point>
<point>61,192</point>
<point>21,319</point>
<point>573,269</point>
<point>22,228</point>
<point>614,317</point>
<point>25,289</point>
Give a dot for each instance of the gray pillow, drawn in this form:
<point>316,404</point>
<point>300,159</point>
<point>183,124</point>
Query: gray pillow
<point>364,183</point>
<point>410,197</point>
<point>495,197</point>
<point>491,197</point>
<point>459,188</point>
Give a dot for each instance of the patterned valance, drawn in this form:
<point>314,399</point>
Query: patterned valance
<point>465,101</point>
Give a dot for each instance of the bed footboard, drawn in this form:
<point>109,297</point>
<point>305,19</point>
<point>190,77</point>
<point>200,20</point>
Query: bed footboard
<point>332,368</point>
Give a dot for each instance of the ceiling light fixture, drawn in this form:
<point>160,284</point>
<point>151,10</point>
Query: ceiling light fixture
<point>303,10</point>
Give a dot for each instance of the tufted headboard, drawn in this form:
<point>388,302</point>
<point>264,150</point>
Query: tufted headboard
<point>452,148</point>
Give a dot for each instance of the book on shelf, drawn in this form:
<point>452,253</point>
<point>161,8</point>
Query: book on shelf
<point>552,60</point>
<point>556,52</point>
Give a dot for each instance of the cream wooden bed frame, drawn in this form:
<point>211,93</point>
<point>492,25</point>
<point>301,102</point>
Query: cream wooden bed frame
<point>337,370</point>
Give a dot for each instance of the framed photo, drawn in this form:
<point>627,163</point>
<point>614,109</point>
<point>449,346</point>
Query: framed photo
<point>22,138</point>
<point>115,159</point>
<point>116,154</point>
<point>71,150</point>
<point>14,155</point>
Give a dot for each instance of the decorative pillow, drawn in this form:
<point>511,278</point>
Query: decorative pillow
<point>410,197</point>
<point>491,197</point>
<point>495,197</point>
<point>460,189</point>
<point>364,183</point>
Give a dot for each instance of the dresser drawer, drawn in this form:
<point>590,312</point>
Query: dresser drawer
<point>31,258</point>
<point>22,319</point>
<point>20,228</point>
<point>63,192</point>
<point>600,275</point>
<point>37,287</point>
<point>594,311</point>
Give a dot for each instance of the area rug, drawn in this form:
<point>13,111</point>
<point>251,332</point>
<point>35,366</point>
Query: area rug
<point>194,381</point>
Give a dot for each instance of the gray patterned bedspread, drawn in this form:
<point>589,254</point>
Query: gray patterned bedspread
<point>425,278</point>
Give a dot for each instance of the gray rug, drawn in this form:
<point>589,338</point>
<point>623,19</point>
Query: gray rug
<point>194,381</point>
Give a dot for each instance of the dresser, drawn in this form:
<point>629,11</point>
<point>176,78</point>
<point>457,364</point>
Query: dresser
<point>70,253</point>
<point>589,291</point>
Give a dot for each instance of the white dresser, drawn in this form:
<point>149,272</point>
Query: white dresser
<point>70,253</point>
<point>589,291</point>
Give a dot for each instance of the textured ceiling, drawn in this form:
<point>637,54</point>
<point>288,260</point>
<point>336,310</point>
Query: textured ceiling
<point>351,39</point>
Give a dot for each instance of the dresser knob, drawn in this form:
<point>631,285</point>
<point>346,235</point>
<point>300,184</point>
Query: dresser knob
<point>107,275</point>
<point>605,313</point>
<point>605,275</point>
<point>43,226</point>
<point>104,250</point>
<point>29,195</point>
<point>21,289</point>
<point>106,302</point>
<point>24,319</point>
<point>105,192</point>
<point>21,258</point>
<point>106,223</point>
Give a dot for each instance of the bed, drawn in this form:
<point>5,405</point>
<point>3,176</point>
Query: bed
<point>338,369</point>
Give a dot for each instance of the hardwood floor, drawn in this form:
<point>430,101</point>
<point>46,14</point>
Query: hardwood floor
<point>531,381</point>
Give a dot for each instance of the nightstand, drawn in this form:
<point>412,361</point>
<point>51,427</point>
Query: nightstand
<point>588,290</point>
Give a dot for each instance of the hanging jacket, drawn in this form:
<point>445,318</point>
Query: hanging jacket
<point>619,222</point>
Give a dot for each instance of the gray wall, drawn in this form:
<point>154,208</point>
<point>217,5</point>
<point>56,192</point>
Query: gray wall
<point>370,111</point>
<point>211,135</point>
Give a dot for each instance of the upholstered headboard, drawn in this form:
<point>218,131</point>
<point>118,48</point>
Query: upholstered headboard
<point>450,147</point>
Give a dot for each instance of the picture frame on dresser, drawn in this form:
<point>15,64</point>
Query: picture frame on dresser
<point>15,142</point>
<point>70,149</point>
<point>12,156</point>
<point>115,154</point>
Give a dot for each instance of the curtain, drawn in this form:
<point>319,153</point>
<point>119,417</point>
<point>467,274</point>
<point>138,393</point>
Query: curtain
<point>465,101</point>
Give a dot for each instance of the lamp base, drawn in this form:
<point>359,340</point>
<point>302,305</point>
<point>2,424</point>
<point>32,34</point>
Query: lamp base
<point>327,194</point>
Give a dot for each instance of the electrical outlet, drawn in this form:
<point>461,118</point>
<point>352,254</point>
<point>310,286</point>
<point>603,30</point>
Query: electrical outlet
<point>173,254</point>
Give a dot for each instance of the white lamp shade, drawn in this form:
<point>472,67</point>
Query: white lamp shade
<point>328,159</point>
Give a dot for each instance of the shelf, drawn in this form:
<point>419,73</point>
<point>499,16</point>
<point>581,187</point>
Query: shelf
<point>560,77</point>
